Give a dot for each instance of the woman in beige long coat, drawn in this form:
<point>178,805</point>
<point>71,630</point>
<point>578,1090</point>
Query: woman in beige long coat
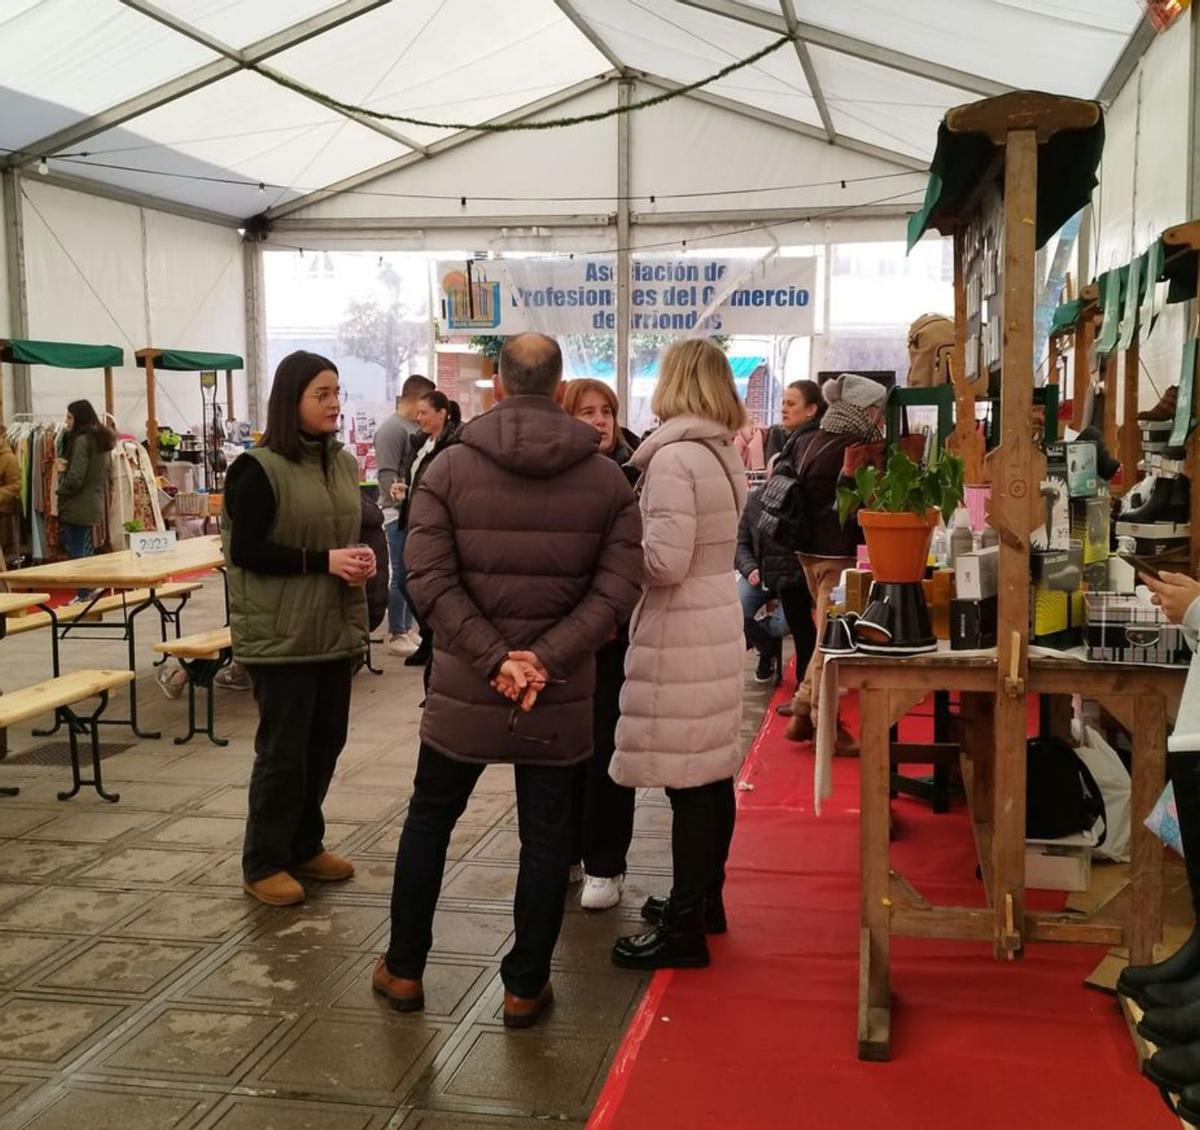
<point>681,706</point>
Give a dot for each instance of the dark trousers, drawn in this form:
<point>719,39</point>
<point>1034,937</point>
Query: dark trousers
<point>701,832</point>
<point>303,713</point>
<point>602,817</point>
<point>440,793</point>
<point>798,611</point>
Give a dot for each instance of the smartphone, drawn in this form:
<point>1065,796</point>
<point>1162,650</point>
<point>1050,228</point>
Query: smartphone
<point>1140,565</point>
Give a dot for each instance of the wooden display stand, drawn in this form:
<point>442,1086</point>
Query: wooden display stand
<point>994,690</point>
<point>180,361</point>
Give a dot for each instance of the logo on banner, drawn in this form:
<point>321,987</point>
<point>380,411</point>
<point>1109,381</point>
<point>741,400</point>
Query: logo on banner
<point>470,305</point>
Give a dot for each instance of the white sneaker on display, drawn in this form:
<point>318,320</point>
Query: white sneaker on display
<point>601,894</point>
<point>403,645</point>
<point>575,875</point>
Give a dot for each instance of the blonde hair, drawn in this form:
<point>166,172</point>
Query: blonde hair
<point>694,379</point>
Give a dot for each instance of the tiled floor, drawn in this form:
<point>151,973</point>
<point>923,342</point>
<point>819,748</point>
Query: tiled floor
<point>141,990</point>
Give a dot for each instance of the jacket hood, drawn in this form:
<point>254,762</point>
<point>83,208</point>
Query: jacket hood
<point>673,431</point>
<point>531,436</point>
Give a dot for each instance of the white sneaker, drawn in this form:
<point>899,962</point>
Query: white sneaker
<point>171,681</point>
<point>601,894</point>
<point>575,875</point>
<point>403,645</point>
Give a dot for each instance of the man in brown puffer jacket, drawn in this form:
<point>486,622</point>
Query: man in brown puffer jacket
<point>524,555</point>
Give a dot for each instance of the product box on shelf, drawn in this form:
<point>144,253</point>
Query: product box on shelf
<point>1124,628</point>
<point>1082,479</point>
<point>1091,523</point>
<point>1059,865</point>
<point>858,589</point>
<point>1058,570</point>
<point>1055,532</point>
<point>975,574</point>
<point>973,624</point>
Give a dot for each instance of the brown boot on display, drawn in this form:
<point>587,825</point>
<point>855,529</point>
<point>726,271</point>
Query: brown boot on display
<point>1164,409</point>
<point>279,889</point>
<point>800,728</point>
<point>325,868</point>
<point>403,994</point>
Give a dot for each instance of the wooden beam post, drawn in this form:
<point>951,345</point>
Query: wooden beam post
<point>1085,335</point>
<point>151,411</point>
<point>1108,371</point>
<point>109,401</point>
<point>966,442</point>
<point>1014,483</point>
<point>1130,452</point>
<point>229,394</point>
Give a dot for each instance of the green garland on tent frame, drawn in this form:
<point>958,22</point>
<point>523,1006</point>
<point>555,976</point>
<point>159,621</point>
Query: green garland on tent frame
<point>504,127</point>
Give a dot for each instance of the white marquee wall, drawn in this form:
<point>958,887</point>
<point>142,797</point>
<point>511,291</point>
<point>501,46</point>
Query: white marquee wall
<point>101,271</point>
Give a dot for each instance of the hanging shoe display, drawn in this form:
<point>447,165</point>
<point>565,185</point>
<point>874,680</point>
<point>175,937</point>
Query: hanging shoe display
<point>1164,409</point>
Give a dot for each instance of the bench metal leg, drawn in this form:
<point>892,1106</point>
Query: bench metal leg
<point>89,725</point>
<point>370,665</point>
<point>201,673</point>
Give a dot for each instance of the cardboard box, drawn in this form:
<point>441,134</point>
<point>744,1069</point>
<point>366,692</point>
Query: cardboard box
<point>973,624</point>
<point>858,589</point>
<point>1082,478</point>
<point>975,574</point>
<point>1059,865</point>
<point>1058,570</point>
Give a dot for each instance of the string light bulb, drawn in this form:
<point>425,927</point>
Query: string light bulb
<point>43,167</point>
<point>262,189</point>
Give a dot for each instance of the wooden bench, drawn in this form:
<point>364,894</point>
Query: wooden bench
<point>201,656</point>
<point>95,610</point>
<point>59,695</point>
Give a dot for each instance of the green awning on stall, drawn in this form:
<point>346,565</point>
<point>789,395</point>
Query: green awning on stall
<point>61,354</point>
<point>1066,315</point>
<point>192,361</point>
<point>1067,166</point>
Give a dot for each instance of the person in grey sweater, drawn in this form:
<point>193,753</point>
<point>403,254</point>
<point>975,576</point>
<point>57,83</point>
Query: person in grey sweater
<point>393,450</point>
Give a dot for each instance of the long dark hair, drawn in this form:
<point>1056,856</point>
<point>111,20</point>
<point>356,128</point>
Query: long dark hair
<point>440,402</point>
<point>86,422</point>
<point>292,376</point>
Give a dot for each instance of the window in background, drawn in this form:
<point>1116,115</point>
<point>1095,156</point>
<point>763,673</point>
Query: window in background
<point>876,292</point>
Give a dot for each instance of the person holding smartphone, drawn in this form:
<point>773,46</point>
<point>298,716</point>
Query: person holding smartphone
<point>290,531</point>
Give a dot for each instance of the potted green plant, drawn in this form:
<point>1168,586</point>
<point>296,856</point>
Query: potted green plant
<point>899,508</point>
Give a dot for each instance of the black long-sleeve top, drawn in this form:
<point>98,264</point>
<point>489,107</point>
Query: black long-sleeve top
<point>250,503</point>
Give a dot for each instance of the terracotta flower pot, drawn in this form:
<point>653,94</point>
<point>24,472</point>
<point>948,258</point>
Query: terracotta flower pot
<point>898,543</point>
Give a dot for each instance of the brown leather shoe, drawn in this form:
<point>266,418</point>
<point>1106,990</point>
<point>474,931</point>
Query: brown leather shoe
<point>845,744</point>
<point>279,889</point>
<point>326,867</point>
<point>1164,409</point>
<point>523,1012</point>
<point>403,994</point>
<point>784,710</point>
<point>800,728</point>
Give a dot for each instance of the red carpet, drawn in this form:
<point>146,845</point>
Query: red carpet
<point>766,1037</point>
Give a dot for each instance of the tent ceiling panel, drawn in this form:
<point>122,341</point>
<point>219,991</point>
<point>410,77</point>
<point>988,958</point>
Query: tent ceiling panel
<point>67,59</point>
<point>684,44</point>
<point>754,156</point>
<point>579,162</point>
<point>240,24</point>
<point>1019,42</point>
<point>884,106</point>
<point>447,60</point>
<point>243,128</point>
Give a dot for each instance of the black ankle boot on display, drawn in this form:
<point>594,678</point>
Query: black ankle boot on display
<point>1157,507</point>
<point>1175,982</point>
<point>1174,1068</point>
<point>1189,1104</point>
<point>714,912</point>
<point>1106,465</point>
<point>675,943</point>
<point>1170,1027</point>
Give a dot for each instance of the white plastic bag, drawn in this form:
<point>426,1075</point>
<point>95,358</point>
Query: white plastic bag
<point>1115,787</point>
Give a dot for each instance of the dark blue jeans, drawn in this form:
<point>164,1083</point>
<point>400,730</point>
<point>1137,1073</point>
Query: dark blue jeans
<point>400,618</point>
<point>440,793</point>
<point>76,542</point>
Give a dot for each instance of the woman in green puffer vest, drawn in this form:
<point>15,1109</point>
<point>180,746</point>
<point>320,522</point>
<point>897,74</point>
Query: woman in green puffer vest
<point>83,477</point>
<point>298,614</point>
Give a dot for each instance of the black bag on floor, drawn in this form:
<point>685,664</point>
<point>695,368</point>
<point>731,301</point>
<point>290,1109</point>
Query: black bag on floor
<point>1061,795</point>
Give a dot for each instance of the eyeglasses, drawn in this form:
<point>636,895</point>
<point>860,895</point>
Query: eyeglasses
<point>515,716</point>
<point>325,395</point>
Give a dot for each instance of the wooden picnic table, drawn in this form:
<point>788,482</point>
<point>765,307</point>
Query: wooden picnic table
<point>124,571</point>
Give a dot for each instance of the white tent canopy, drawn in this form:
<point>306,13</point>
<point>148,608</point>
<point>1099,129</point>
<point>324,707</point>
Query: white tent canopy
<point>159,98</point>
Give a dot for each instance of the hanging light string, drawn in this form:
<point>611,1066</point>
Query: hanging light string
<point>524,124</point>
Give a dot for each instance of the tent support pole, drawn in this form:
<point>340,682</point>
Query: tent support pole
<point>151,413</point>
<point>228,394</point>
<point>18,303</point>
<point>256,332</point>
<point>624,91</point>
<point>109,401</point>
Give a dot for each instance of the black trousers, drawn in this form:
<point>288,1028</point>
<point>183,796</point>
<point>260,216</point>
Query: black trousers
<point>602,811</point>
<point>440,793</point>
<point>701,832</point>
<point>303,713</point>
<point>798,612</point>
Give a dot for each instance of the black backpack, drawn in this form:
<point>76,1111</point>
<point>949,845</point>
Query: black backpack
<point>1061,795</point>
<point>784,517</point>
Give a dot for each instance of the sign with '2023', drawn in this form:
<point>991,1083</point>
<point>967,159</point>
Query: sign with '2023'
<point>563,295</point>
